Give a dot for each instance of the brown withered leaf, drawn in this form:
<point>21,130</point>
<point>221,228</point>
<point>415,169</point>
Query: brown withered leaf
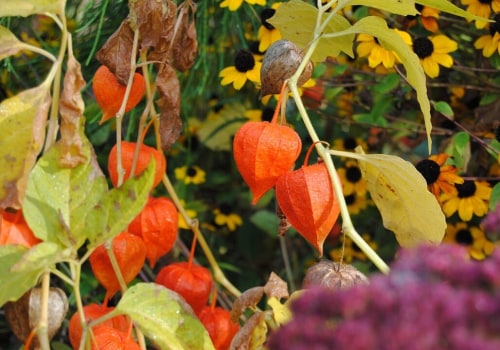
<point>154,19</point>
<point>284,224</point>
<point>276,287</point>
<point>185,44</point>
<point>162,48</point>
<point>71,107</point>
<point>169,104</point>
<point>116,51</point>
<point>253,333</point>
<point>249,298</point>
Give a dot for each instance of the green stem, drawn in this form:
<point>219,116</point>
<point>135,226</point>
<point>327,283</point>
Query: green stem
<point>286,261</point>
<point>193,223</point>
<point>114,263</point>
<point>43,322</point>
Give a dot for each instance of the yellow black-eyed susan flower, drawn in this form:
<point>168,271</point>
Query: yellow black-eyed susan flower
<point>190,174</point>
<point>472,237</point>
<point>349,143</point>
<point>490,43</point>
<point>267,34</point>
<point>368,46</point>
<point>355,203</point>
<point>257,115</point>
<point>434,51</point>
<point>439,177</point>
<point>351,178</point>
<point>225,217</point>
<point>481,8</point>
<point>233,5</point>
<point>245,68</point>
<point>471,198</point>
<point>428,17</point>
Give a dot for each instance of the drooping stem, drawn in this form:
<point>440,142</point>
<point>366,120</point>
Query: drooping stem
<point>114,263</point>
<point>323,152</point>
<point>194,224</point>
<point>43,322</point>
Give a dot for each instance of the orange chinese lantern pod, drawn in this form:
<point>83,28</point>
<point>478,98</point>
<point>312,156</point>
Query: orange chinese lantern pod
<point>263,152</point>
<point>193,282</point>
<point>217,322</point>
<point>15,230</point>
<point>157,225</point>
<point>93,312</point>
<point>307,199</point>
<point>130,253</point>
<point>108,338</point>
<point>109,93</point>
<point>145,154</point>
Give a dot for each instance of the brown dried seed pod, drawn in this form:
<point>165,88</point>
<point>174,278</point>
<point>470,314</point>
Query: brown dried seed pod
<point>330,274</point>
<point>23,315</point>
<point>280,62</point>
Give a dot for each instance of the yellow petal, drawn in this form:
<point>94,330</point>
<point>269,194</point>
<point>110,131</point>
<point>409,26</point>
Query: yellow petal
<point>431,68</point>
<point>465,209</point>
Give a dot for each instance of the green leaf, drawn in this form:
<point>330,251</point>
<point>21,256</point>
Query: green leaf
<point>30,7</point>
<point>388,83</point>
<point>459,150</point>
<point>9,45</point>
<point>22,129</point>
<point>443,108</point>
<point>164,317</point>
<point>118,207</point>
<point>390,40</point>
<point>266,221</point>
<point>59,198</point>
<point>42,256</point>
<point>449,7</point>
<point>217,133</point>
<point>15,284</point>
<point>495,196</point>
<point>400,193</point>
<point>290,13</point>
<point>398,7</point>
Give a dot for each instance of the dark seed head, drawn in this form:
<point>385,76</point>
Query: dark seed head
<point>429,169</point>
<point>244,61</point>
<point>353,174</point>
<point>467,189</point>
<point>464,237</point>
<point>265,14</point>
<point>423,47</point>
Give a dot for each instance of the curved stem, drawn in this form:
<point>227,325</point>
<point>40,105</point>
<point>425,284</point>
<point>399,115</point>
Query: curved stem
<point>43,322</point>
<point>193,223</point>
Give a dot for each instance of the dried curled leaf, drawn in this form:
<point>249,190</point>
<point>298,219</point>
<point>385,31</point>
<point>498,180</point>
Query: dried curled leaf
<point>184,43</point>
<point>71,108</point>
<point>116,51</point>
<point>276,287</point>
<point>155,21</point>
<point>169,104</point>
<point>249,298</point>
<point>253,333</point>
<point>400,193</point>
<point>162,46</point>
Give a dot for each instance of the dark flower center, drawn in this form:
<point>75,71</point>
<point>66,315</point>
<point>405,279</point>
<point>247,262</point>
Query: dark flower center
<point>464,237</point>
<point>244,61</point>
<point>467,189</point>
<point>191,172</point>
<point>349,143</point>
<point>429,169</point>
<point>350,199</point>
<point>265,14</point>
<point>485,1</point>
<point>353,174</point>
<point>267,114</point>
<point>495,26</point>
<point>423,47</point>
<point>497,132</point>
<point>225,208</point>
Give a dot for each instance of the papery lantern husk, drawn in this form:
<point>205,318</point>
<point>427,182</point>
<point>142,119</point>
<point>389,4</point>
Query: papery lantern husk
<point>333,275</point>
<point>263,152</point>
<point>306,198</point>
<point>157,225</point>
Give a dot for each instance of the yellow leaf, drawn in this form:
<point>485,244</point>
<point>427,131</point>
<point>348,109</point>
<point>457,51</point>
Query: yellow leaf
<point>290,13</point>
<point>22,130</point>
<point>282,313</point>
<point>399,7</point>
<point>26,8</point>
<point>9,45</point>
<point>400,193</point>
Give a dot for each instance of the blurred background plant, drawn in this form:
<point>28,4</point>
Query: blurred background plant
<point>360,101</point>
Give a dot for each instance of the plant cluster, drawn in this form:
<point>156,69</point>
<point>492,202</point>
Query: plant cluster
<point>166,157</point>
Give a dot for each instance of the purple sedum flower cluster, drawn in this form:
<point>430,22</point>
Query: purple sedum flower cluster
<point>491,224</point>
<point>433,298</point>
